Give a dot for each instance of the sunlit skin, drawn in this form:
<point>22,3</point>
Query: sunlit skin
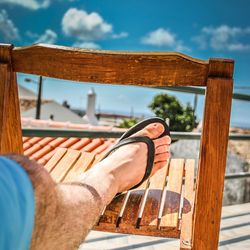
<point>66,212</point>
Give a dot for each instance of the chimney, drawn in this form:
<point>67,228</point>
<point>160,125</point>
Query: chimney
<point>90,110</point>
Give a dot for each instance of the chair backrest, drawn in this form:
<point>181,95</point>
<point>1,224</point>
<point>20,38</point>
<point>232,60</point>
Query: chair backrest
<point>135,68</point>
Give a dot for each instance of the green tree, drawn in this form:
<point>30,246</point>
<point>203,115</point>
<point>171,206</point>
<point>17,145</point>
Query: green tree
<point>181,117</point>
<point>127,123</point>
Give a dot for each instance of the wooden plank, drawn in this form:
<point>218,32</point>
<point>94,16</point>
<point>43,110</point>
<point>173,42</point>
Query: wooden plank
<point>131,68</point>
<point>188,206</point>
<point>213,152</point>
<point>97,159</point>
<point>55,159</point>
<point>114,213</point>
<point>10,122</point>
<point>64,165</point>
<point>83,163</point>
<point>111,213</point>
<point>150,214</point>
<point>169,219</point>
<point>129,215</point>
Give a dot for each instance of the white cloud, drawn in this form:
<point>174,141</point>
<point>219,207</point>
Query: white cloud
<point>31,34</point>
<point>164,38</point>
<point>30,4</point>
<point>8,30</point>
<point>49,36</point>
<point>85,26</point>
<point>120,35</point>
<point>86,45</point>
<point>223,37</point>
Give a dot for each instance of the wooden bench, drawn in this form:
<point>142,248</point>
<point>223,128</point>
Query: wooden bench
<point>169,204</point>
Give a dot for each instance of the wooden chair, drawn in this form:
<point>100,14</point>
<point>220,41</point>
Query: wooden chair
<point>166,205</point>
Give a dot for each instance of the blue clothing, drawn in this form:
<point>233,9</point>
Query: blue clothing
<point>17,206</point>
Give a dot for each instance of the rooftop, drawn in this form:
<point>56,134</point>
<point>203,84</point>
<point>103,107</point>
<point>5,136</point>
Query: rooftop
<point>42,149</point>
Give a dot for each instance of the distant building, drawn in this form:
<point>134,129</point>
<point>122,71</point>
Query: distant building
<point>50,110</point>
<point>90,116</point>
<point>54,111</point>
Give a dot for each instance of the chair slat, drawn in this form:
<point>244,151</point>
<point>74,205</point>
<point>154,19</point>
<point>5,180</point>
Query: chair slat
<point>137,211</point>
<point>83,164</point>
<point>130,68</point>
<point>65,164</point>
<point>173,196</point>
<point>55,159</point>
<point>97,159</point>
<point>130,215</point>
<point>114,213</point>
<point>187,210</point>
<point>151,209</point>
<point>110,215</point>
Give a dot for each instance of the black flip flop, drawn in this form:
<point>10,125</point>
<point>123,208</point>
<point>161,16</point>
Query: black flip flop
<point>150,154</point>
<point>127,139</point>
<point>139,126</point>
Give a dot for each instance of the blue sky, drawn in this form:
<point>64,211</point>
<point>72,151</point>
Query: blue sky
<point>200,29</point>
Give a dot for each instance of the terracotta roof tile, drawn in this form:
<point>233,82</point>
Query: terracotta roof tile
<point>80,144</point>
<point>42,149</point>
<point>70,142</point>
<point>93,145</point>
<point>45,150</point>
<point>25,139</point>
<point>45,141</point>
<point>33,149</point>
<point>47,157</point>
<point>57,141</point>
<point>31,142</point>
<point>31,122</point>
<point>103,147</point>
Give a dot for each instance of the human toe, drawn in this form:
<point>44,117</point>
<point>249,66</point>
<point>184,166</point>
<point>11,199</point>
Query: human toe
<point>153,131</point>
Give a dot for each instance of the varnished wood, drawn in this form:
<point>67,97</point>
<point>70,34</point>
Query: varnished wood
<point>150,216</point>
<point>122,214</point>
<point>188,205</point>
<point>84,163</point>
<point>147,69</point>
<point>10,122</point>
<point>131,68</point>
<point>64,165</point>
<point>51,164</point>
<point>170,216</point>
<point>219,67</point>
<point>213,152</point>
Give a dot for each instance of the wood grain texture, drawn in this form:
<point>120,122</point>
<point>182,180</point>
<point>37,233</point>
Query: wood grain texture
<point>55,159</point>
<point>64,165</point>
<point>188,205</point>
<point>222,68</point>
<point>82,165</point>
<point>130,215</point>
<point>131,68</point>
<point>156,186</point>
<point>212,163</point>
<point>170,216</point>
<point>10,121</point>
<point>145,69</point>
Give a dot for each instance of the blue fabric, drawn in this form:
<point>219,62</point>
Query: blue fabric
<point>17,206</point>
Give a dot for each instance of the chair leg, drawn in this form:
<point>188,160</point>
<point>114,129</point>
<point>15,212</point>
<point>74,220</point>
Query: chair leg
<point>213,153</point>
<point>10,122</point>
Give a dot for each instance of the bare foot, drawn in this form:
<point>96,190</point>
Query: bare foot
<point>126,166</point>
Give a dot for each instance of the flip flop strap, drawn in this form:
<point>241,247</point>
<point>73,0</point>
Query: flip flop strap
<point>150,153</point>
<point>139,126</point>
